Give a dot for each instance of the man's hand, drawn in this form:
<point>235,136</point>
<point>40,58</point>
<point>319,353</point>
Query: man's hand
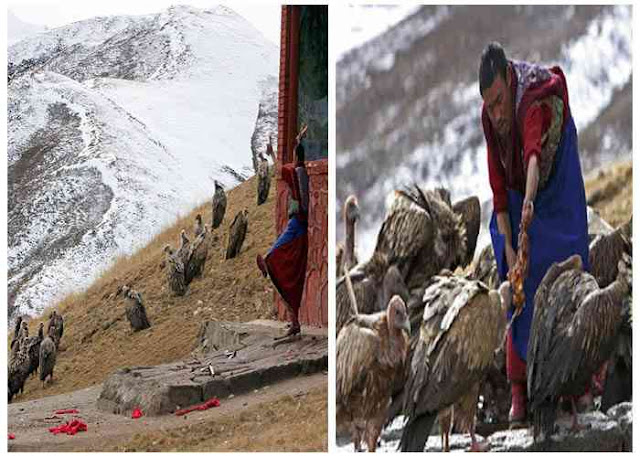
<point>527,213</point>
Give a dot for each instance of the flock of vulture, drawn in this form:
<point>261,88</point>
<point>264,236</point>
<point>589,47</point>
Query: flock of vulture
<point>182,267</point>
<point>30,353</point>
<point>419,324</point>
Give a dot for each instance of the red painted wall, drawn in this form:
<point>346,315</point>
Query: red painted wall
<point>315,299</point>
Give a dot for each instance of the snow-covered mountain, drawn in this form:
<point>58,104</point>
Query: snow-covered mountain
<point>409,105</point>
<point>116,126</point>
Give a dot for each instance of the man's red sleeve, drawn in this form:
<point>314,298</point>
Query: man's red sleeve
<point>496,170</point>
<point>534,121</point>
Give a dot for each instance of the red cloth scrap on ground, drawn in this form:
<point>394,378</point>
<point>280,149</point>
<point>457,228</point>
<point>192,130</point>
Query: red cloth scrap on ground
<point>136,414</point>
<point>211,403</point>
<point>67,411</point>
<point>12,436</point>
<point>70,428</point>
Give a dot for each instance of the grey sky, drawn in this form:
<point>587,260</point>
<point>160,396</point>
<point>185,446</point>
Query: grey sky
<point>265,16</point>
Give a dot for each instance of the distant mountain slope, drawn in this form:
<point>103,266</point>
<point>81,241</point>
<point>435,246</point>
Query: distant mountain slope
<point>409,106</point>
<point>116,126</point>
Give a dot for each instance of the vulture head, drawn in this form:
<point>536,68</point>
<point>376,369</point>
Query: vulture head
<point>41,330</point>
<point>217,185</point>
<point>167,249</point>
<point>397,316</point>
<point>198,218</point>
<point>351,210</point>
<point>24,329</point>
<point>183,238</point>
<point>125,290</point>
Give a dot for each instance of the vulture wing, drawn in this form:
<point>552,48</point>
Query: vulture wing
<point>462,325</point>
<point>469,209</point>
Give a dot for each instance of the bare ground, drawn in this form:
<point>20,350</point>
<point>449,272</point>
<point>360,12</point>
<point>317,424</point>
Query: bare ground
<point>287,416</point>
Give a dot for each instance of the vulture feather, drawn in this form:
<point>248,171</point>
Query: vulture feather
<point>57,323</point>
<point>422,235</point>
<point>237,234</point>
<point>370,353</point>
<point>605,251</point>
<point>19,362</point>
<point>175,272</point>
<point>47,357</point>
<point>486,269</point>
<point>135,310</point>
<point>264,180</point>
<point>469,210</point>
<point>373,282</point>
<point>198,252</point>
<point>185,246</point>
<point>218,206</point>
<point>198,227</point>
<point>575,328</point>
<point>33,349</point>
<point>462,324</point>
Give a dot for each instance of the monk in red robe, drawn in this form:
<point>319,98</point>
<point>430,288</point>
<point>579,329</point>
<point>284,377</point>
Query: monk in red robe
<point>286,261</point>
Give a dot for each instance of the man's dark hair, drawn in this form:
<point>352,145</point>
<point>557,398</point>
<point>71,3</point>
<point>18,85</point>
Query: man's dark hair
<point>300,153</point>
<point>492,62</point>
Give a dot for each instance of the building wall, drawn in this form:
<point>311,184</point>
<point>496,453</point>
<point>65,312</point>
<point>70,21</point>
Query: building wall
<point>315,299</point>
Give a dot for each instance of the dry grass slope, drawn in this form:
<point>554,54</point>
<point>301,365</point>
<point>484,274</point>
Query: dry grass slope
<point>610,191</point>
<point>289,424</point>
<point>98,338</point>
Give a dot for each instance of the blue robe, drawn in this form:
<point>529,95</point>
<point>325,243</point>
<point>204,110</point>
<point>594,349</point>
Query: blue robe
<point>558,230</point>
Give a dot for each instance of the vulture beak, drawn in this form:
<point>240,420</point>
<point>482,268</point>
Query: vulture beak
<point>406,325</point>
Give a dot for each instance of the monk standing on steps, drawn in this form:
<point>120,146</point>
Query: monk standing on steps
<point>532,152</point>
<point>286,261</point>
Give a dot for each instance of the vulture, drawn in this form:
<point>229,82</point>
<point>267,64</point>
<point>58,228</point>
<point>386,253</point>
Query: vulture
<point>423,235</point>
<point>575,328</point>
<point>351,214</point>
<point>57,323</point>
<point>486,269</point>
<point>16,329</point>
<point>619,381</point>
<point>373,282</point>
<point>197,227</point>
<point>370,352</point>
<point>237,233</point>
<point>469,210</point>
<point>218,206</point>
<point>33,349</point>
<point>605,251</point>
<point>175,272</point>
<point>461,324</point>
<point>264,179</point>
<point>183,251</point>
<point>198,251</point>
<point>47,356</point>
<point>135,311</point>
<point>19,362</point>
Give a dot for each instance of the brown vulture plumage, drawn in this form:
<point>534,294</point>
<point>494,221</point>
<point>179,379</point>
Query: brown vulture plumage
<point>237,234</point>
<point>264,179</point>
<point>486,269</point>
<point>135,310</point>
<point>422,235</point>
<point>462,323</point>
<point>197,256</point>
<point>575,328</point>
<point>48,351</point>
<point>469,210</point>
<point>33,349</point>
<point>175,272</point>
<point>19,363</point>
<point>198,228</point>
<point>605,251</point>
<point>57,322</point>
<point>369,280</point>
<point>218,206</point>
<point>339,259</point>
<point>370,353</point>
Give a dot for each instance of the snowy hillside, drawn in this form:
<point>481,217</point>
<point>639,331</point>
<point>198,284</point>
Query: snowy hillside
<point>409,105</point>
<point>116,125</point>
